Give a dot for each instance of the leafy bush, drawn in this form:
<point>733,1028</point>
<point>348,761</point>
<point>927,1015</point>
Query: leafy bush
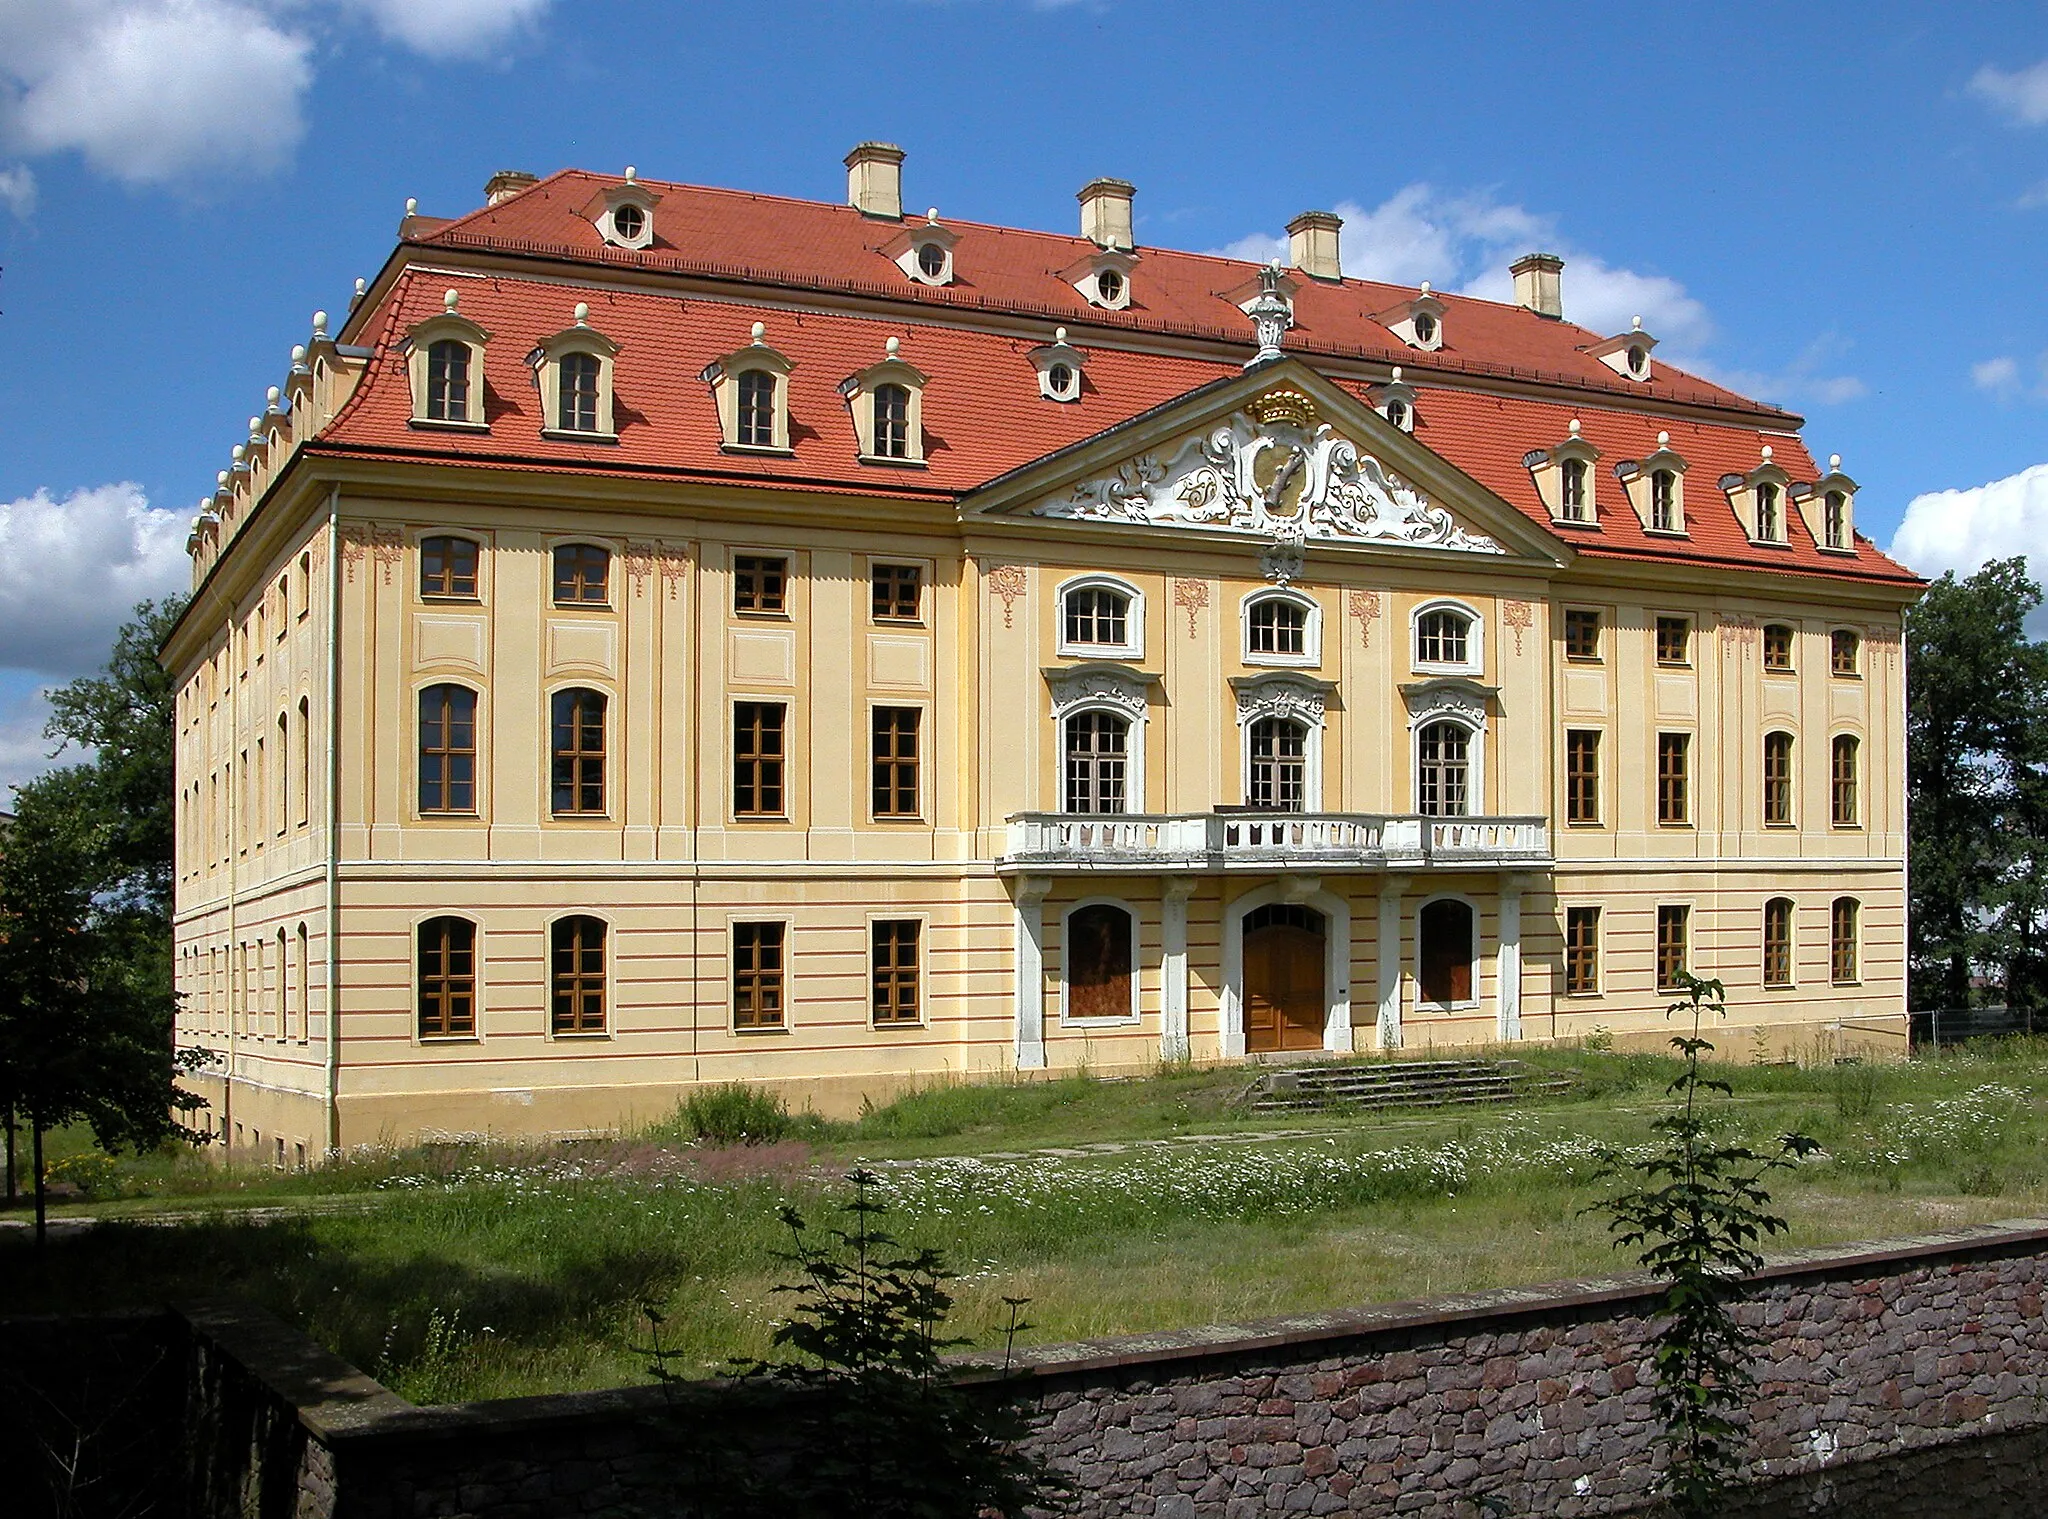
<point>737,1114</point>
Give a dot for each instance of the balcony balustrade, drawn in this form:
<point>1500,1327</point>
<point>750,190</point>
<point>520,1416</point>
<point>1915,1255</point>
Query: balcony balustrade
<point>1210,842</point>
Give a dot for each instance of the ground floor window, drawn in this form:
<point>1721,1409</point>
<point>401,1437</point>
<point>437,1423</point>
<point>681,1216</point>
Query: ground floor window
<point>1778,942</point>
<point>1581,951</point>
<point>1842,957</point>
<point>1672,923</point>
<point>894,969</point>
<point>757,1000</point>
<point>1444,931</point>
<point>447,977</point>
<point>577,952</point>
<point>1100,953</point>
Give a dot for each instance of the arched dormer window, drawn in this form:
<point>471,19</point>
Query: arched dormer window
<point>1418,321</point>
<point>1628,354</point>
<point>924,250</point>
<point>1059,366</point>
<point>1448,638</point>
<point>887,405</point>
<point>1101,617</point>
<point>1564,479</point>
<point>1655,487</point>
<point>1397,401</point>
<point>624,213</point>
<point>1103,278</point>
<point>445,363</point>
<point>574,371</point>
<point>1759,500</point>
<point>1829,505</point>
<point>751,390</point>
<point>1282,628</point>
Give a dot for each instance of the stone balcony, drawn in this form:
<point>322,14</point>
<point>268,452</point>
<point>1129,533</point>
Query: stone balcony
<point>1207,843</point>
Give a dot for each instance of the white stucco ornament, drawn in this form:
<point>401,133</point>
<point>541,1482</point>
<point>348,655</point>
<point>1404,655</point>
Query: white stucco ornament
<point>1097,686</point>
<point>1273,469</point>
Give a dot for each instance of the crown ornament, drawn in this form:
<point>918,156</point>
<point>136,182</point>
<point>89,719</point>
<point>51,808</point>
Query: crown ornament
<point>1284,408</point>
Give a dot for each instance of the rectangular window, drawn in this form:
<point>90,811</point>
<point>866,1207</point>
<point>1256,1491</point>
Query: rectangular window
<point>578,751</point>
<point>1581,635</point>
<point>759,583</point>
<point>1842,781</point>
<point>1582,776</point>
<point>577,946</point>
<point>894,965</point>
<point>1097,758</point>
<point>1778,780</point>
<point>448,569</point>
<point>1835,519</point>
<point>447,977</point>
<point>1581,951</point>
<point>1674,640</point>
<point>896,589</point>
<point>1778,942</point>
<point>1673,755</point>
<point>1842,968</point>
<point>757,1000</point>
<point>1663,501</point>
<point>1671,935</point>
<point>757,736</point>
<point>895,761</point>
<point>1777,648</point>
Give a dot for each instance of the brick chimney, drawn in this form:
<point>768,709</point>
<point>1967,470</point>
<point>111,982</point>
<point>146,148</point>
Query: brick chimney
<point>1312,244</point>
<point>1106,212</point>
<point>874,180</point>
<point>507,183</point>
<point>1539,283</point>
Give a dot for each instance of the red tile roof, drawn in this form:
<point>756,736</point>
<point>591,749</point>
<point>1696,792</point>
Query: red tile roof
<point>983,415</point>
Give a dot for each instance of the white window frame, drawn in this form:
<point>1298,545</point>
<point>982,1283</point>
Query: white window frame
<point>1475,761</point>
<point>1134,756</point>
<point>1311,633</point>
<point>1475,638</point>
<point>1478,966</point>
<point>1272,702</point>
<point>547,368</point>
<point>1136,1014</point>
<point>448,326</point>
<point>1133,646</point>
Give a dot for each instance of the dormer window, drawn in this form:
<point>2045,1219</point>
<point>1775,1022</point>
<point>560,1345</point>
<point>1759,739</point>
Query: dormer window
<point>445,361</point>
<point>1397,402</point>
<point>624,214</point>
<point>751,389</point>
<point>1759,500</point>
<point>1059,368</point>
<point>931,260</point>
<point>1664,500</point>
<point>1104,278</point>
<point>887,403</point>
<point>1109,288</point>
<point>1829,504</point>
<point>1418,322</point>
<point>1564,478</point>
<point>1628,355</point>
<point>924,251</point>
<point>1770,521</point>
<point>1655,487</point>
<point>1835,520</point>
<point>574,372</point>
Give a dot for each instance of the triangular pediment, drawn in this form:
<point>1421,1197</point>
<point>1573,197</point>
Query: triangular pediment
<point>1281,454</point>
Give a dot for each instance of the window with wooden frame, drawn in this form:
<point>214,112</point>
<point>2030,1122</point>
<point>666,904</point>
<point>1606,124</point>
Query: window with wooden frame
<point>576,955</point>
<point>1845,654</point>
<point>578,752</point>
<point>579,380</point>
<point>1770,514</point>
<point>755,418</point>
<point>1778,780</point>
<point>891,421</point>
<point>582,575</point>
<point>1572,479</point>
<point>895,753</point>
<point>757,970</point>
<point>1835,533</point>
<point>1674,640</point>
<point>1672,925</point>
<point>1582,635</point>
<point>1664,501</point>
<point>448,749</point>
<point>1842,787</point>
<point>305,761</point>
<point>1278,778</point>
<point>893,963</point>
<point>760,584</point>
<point>1674,802</point>
<point>1778,942</point>
<point>1444,933</point>
<point>896,592</point>
<point>447,978</point>
<point>1777,648</point>
<point>1097,755</point>
<point>1097,615</point>
<point>1582,775</point>
<point>1842,941</point>
<point>757,758</point>
<point>448,381</point>
<point>1443,637</point>
<point>1443,770</point>
<point>448,568</point>
<point>1581,951</point>
<point>1101,956</point>
<point>1276,625</point>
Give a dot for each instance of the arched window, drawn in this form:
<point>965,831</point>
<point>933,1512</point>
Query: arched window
<point>1443,770</point>
<point>447,749</point>
<point>892,421</point>
<point>1443,636</point>
<point>1277,627</point>
<point>579,376</point>
<point>1845,651</point>
<point>1842,941</point>
<point>582,575</point>
<point>1097,617</point>
<point>1445,951</point>
<point>1100,954</point>
<point>448,381</point>
<point>447,978</point>
<point>1778,942</point>
<point>1573,474</point>
<point>1277,776</point>
<point>577,978</point>
<point>578,749</point>
<point>1778,778</point>
<point>1842,797</point>
<point>305,761</point>
<point>305,961</point>
<point>757,409</point>
<point>1097,763</point>
<point>1397,413</point>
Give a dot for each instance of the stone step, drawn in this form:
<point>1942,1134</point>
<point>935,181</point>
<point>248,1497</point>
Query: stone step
<point>1399,1083</point>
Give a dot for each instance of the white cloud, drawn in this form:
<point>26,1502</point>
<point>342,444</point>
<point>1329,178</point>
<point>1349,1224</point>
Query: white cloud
<point>2021,94</point>
<point>169,91</point>
<point>1805,378</point>
<point>2034,199</point>
<point>1999,376</point>
<point>1960,529</point>
<point>24,752</point>
<point>18,189</point>
<point>71,571</point>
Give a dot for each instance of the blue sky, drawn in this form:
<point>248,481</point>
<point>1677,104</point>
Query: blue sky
<point>1839,207</point>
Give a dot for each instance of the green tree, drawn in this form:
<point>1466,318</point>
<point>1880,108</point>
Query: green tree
<point>1977,762</point>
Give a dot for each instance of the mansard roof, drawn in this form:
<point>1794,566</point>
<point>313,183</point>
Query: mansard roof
<point>1506,382</point>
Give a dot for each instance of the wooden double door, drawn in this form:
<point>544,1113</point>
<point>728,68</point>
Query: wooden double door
<point>1286,950</point>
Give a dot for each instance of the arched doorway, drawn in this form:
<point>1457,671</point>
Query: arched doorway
<point>1285,954</point>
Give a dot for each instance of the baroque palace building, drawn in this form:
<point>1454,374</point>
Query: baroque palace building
<point>666,635</point>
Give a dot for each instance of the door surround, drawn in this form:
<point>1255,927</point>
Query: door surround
<point>1308,892</point>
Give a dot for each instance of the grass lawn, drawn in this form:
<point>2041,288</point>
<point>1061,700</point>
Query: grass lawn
<point>467,1271</point>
